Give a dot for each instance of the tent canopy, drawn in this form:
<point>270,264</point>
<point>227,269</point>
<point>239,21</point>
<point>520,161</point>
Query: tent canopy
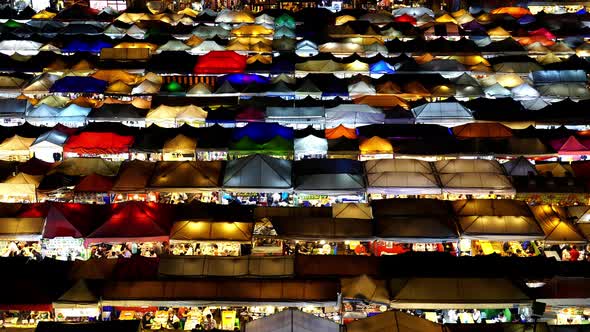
<point>365,288</point>
<point>440,293</point>
<point>496,219</point>
<point>258,172</point>
<point>393,321</point>
<point>292,320</point>
<point>203,230</point>
<point>321,228</point>
<point>555,225</point>
<point>186,175</point>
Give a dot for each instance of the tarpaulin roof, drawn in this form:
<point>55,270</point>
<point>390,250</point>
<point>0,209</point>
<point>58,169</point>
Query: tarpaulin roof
<point>258,172</point>
<point>16,143</point>
<point>86,166</point>
<point>437,293</point>
<point>171,175</point>
<point>519,167</point>
<point>393,321</point>
<point>22,222</point>
<point>414,220</point>
<point>134,175</point>
<point>79,84</point>
<point>263,132</point>
<point>401,176</point>
<point>318,228</point>
<point>180,144</point>
<point>134,221</point>
<point>340,131</point>
<point>204,230</point>
<point>72,220</point>
<point>292,320</point>
<point>482,130</point>
<point>276,146</point>
<point>95,183</point>
<point>328,175</point>
<point>496,219</point>
<point>375,145</point>
<point>311,144</point>
<point>94,143</point>
<point>554,222</point>
<point>220,62</point>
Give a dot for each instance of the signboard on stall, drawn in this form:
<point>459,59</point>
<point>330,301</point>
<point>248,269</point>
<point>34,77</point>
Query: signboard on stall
<point>228,319</point>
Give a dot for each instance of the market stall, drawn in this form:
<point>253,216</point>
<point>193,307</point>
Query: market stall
<point>78,304</point>
<point>478,177</point>
<point>179,148</point>
<point>210,238</point>
<point>16,148</point>
<point>309,147</point>
<point>326,181</point>
<point>20,188</point>
<point>98,144</point>
<point>292,320</point>
<point>258,179</point>
<point>132,180</point>
<point>400,177</point>
<point>49,146</point>
<point>395,320</point>
<point>488,226</point>
<point>183,181</point>
<point>21,226</point>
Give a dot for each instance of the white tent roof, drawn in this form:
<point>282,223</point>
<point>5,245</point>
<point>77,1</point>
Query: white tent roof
<point>292,320</point>
<point>361,88</point>
<point>442,112</point>
<point>23,47</point>
<point>205,47</point>
<point>413,11</point>
<point>311,144</point>
<point>497,91</point>
<point>534,104</point>
<point>565,90</point>
<point>524,91</point>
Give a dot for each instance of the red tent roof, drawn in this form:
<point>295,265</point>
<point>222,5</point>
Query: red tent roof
<point>35,166</point>
<point>72,220</point>
<point>220,62</point>
<point>570,146</point>
<point>542,32</point>
<point>93,143</point>
<point>134,221</point>
<point>405,18</point>
<point>95,183</point>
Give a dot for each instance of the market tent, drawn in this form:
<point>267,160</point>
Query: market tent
<point>78,84</point>
<point>72,220</point>
<point>414,220</point>
<point>21,184</point>
<point>519,167</point>
<point>465,176</point>
<point>179,147</point>
<point>205,230</point>
<point>497,91</point>
<point>292,320</point>
<point>95,143</point>
<point>555,169</point>
<point>328,176</point>
<point>571,146</point>
<point>186,175</point>
<point>220,62</point>
<point>366,289</point>
<point>230,16</point>
<point>133,176</point>
<point>376,146</point>
<point>393,321</point>
<point>340,131</point>
<point>21,222</point>
<point>277,146</point>
<point>451,293</point>
<point>134,221</point>
<point>482,130</point>
<point>401,176</point>
<point>353,115</point>
<point>257,172</point>
<point>173,116</point>
<point>500,220</point>
<point>310,146</point>
<point>352,210</point>
<point>445,113</point>
<point>16,148</point>
<point>95,183</point>
<point>86,166</point>
<point>49,146</point>
<point>322,228</point>
<point>554,222</point>
<point>263,132</point>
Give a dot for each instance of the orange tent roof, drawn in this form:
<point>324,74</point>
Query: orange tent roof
<point>381,101</point>
<point>341,131</point>
<point>375,145</point>
<point>482,130</point>
<point>516,12</point>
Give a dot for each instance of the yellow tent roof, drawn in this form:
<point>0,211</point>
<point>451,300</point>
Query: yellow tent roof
<point>119,87</point>
<point>153,77</point>
<point>189,12</point>
<point>87,166</point>
<point>498,32</point>
<point>54,101</point>
<point>164,112</point>
<point>344,18</point>
<point>44,15</point>
<point>252,30</point>
<point>548,58</point>
<point>24,178</point>
<point>11,82</point>
<point>465,19</point>
<point>112,76</point>
<point>152,47</point>
<point>180,143</point>
<point>509,80</point>
<point>376,145</point>
<point>356,66</point>
<point>193,41</point>
<point>443,91</point>
<point>191,230</point>
<point>460,13</point>
<point>192,112</point>
<point>265,59</point>
<point>16,143</point>
<point>137,102</point>
<point>470,60</point>
<point>87,102</point>
<point>445,18</point>
<point>484,18</point>
<point>424,58</point>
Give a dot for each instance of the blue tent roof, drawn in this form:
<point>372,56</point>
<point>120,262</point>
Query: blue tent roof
<point>526,19</point>
<point>83,46</point>
<point>261,132</point>
<point>246,79</point>
<point>381,67</point>
<point>582,12</point>
<point>79,84</point>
